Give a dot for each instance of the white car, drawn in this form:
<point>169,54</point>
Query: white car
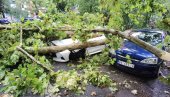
<point>67,55</point>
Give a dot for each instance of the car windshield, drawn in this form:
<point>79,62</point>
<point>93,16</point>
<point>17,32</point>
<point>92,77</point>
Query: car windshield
<point>153,38</point>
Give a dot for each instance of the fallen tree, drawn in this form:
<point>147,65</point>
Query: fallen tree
<point>69,31</point>
<point>126,34</point>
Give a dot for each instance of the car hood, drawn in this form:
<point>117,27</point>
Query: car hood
<point>134,51</point>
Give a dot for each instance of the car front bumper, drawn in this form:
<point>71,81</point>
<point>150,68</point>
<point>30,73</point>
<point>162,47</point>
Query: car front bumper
<point>142,69</point>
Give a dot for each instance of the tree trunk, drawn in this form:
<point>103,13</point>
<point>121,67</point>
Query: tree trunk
<point>3,14</point>
<point>127,34</point>
<point>76,45</point>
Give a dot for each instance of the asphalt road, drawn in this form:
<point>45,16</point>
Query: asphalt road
<point>126,84</point>
<point>145,87</point>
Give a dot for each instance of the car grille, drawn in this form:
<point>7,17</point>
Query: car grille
<point>126,58</point>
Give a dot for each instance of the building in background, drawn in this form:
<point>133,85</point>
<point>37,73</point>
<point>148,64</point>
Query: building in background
<point>16,9</point>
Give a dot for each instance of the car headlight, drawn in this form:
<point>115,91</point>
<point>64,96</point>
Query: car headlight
<point>150,61</point>
<point>112,51</point>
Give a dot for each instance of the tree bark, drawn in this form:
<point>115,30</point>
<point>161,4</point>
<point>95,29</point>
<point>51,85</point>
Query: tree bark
<point>76,45</point>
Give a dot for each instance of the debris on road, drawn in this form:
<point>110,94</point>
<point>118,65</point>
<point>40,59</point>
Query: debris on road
<point>166,92</point>
<point>135,92</point>
<point>93,93</point>
<point>126,84</point>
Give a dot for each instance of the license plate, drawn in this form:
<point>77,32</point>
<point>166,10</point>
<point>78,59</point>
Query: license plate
<point>126,64</point>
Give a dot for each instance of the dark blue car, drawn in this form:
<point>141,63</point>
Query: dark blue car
<point>142,62</point>
<point>30,19</point>
<point>4,21</point>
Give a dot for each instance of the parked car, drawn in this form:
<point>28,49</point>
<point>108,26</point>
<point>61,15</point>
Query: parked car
<point>67,55</point>
<point>30,19</point>
<point>4,21</point>
<point>142,62</point>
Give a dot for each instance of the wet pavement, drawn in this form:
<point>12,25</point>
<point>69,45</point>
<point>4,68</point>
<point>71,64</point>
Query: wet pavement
<point>145,87</point>
<point>126,84</point>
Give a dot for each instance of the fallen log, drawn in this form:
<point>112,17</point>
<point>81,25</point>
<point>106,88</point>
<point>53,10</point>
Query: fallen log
<point>126,34</point>
<point>75,45</point>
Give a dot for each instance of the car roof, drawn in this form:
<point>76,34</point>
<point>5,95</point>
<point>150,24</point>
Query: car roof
<point>149,31</point>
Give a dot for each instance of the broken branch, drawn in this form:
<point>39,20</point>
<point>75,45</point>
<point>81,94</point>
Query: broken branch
<point>33,59</point>
<point>21,32</point>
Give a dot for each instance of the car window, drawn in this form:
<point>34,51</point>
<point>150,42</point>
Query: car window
<point>153,38</point>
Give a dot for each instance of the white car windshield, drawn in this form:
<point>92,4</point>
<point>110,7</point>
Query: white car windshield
<point>152,38</point>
